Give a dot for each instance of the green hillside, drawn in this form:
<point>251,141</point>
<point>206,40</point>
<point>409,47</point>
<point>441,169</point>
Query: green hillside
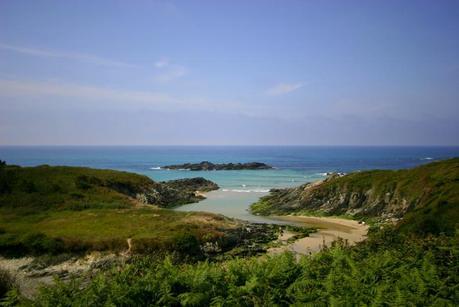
<point>425,198</point>
<point>48,209</point>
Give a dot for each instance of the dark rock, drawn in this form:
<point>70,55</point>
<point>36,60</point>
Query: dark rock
<point>192,184</point>
<point>174,193</point>
<point>209,166</point>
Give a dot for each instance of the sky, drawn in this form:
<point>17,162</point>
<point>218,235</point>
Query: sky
<point>229,72</point>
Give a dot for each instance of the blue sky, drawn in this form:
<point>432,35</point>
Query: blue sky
<point>229,72</point>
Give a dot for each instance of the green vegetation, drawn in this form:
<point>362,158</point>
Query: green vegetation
<point>414,262</point>
<point>72,209</point>
<point>6,282</point>
<point>426,196</point>
<point>31,189</point>
<point>104,229</point>
<point>387,270</point>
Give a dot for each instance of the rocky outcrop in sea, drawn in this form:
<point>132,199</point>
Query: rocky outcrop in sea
<point>209,166</point>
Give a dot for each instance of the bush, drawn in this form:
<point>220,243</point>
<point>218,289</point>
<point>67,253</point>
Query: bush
<point>28,186</point>
<point>187,244</point>
<point>6,282</point>
<point>82,182</point>
<point>38,244</point>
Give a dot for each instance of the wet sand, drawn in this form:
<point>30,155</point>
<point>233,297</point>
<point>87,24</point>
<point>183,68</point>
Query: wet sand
<point>329,230</point>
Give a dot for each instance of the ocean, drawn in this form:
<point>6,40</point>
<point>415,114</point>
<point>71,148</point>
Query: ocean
<point>293,165</point>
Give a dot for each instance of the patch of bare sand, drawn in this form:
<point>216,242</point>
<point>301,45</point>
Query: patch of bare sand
<point>329,230</point>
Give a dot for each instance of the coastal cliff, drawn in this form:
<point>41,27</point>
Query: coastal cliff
<point>426,197</point>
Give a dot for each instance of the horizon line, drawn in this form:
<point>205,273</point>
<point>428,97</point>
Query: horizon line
<point>228,145</point>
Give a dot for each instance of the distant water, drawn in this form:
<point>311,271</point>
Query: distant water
<point>294,165</point>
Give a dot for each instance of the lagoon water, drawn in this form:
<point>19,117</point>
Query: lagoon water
<point>294,165</point>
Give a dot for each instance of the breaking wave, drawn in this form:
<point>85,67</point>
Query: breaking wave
<point>246,191</point>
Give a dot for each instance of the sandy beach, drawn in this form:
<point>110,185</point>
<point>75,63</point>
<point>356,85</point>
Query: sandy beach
<point>329,230</point>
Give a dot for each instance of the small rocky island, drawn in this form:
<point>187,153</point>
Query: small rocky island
<point>209,166</point>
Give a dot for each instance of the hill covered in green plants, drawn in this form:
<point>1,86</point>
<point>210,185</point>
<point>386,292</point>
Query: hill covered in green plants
<point>47,209</point>
<point>425,198</point>
<point>62,187</point>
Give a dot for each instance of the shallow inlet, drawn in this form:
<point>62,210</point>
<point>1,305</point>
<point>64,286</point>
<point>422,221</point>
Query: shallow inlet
<point>232,204</point>
<point>236,205</point>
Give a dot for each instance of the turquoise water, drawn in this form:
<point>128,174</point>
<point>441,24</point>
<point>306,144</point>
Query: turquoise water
<point>232,204</point>
<point>294,165</point>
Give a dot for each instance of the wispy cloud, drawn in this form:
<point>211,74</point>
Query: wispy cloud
<point>83,92</point>
<point>88,96</point>
<point>162,63</point>
<point>29,93</point>
<point>74,56</point>
<point>167,71</point>
<point>284,88</point>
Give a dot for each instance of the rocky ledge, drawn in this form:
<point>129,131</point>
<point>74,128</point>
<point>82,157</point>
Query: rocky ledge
<point>209,166</point>
<point>168,194</point>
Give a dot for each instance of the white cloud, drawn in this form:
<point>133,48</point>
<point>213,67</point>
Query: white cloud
<point>167,71</point>
<point>87,96</point>
<point>13,88</point>
<point>81,57</point>
<point>29,94</point>
<point>170,74</point>
<point>283,88</point>
<point>162,63</point>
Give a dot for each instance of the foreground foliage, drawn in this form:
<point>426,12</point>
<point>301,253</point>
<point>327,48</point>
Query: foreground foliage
<point>388,269</point>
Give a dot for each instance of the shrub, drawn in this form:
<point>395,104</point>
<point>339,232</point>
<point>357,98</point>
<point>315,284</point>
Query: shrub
<point>38,243</point>
<point>187,244</point>
<point>82,182</point>
<point>6,282</point>
<point>28,186</point>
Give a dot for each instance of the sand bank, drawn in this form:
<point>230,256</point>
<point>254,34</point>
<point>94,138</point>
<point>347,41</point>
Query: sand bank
<point>329,230</point>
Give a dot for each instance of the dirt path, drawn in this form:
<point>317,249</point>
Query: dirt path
<point>329,230</point>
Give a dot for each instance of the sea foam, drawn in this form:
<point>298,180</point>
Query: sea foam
<point>246,191</point>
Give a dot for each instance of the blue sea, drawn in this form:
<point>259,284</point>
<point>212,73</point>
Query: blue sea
<point>293,165</point>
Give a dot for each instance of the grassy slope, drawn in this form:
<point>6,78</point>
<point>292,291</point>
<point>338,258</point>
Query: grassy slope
<point>50,209</point>
<point>61,187</point>
<point>429,194</point>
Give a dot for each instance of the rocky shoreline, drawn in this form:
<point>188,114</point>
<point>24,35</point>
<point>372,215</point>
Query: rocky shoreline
<point>209,166</point>
<point>168,194</point>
